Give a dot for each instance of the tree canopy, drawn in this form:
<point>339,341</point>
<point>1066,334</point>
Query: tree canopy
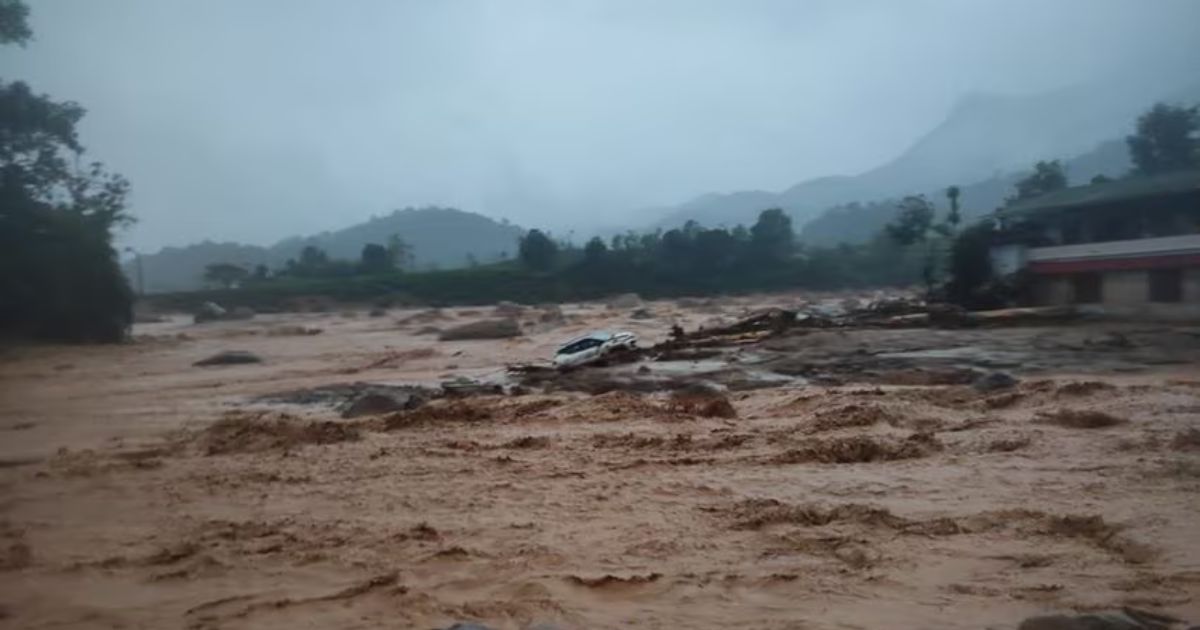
<point>537,251</point>
<point>14,22</point>
<point>59,275</point>
<point>1166,140</point>
<point>1047,177</point>
<point>376,258</point>
<point>225,274</point>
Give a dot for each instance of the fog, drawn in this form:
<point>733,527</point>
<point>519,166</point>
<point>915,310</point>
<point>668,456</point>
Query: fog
<point>252,121</point>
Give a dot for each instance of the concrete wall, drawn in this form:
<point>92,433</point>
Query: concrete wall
<point>1126,294</point>
<point>1051,291</point>
<point>1125,288</point>
<point>1191,286</point>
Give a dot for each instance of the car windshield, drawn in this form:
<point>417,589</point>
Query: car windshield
<point>580,345</point>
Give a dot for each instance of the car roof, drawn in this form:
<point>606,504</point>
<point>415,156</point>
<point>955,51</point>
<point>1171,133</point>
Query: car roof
<point>600,335</point>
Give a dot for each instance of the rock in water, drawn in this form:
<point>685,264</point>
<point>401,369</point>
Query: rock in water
<point>994,381</point>
<point>642,313</point>
<point>375,403</point>
<point>229,357</point>
<point>209,311</point>
<point>486,329</point>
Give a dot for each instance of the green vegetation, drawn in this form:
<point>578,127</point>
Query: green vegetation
<point>920,244</point>
<point>59,276</point>
<point>691,260</point>
<point>1166,140</point>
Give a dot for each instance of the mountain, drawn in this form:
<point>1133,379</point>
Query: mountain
<point>985,136</point>
<point>857,222</point>
<point>439,237</point>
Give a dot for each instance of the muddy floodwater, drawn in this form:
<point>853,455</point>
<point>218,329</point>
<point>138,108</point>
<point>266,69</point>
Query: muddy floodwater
<point>863,478</point>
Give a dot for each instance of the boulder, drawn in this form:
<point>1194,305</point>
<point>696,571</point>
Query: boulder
<point>229,357</point>
<point>373,403</point>
<point>485,329</point>
<point>625,300</point>
<point>209,311</point>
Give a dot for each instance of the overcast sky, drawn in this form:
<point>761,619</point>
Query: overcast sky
<point>252,120</point>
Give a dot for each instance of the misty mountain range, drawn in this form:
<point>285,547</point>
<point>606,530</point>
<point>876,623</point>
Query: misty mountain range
<point>439,237</point>
<point>984,145</point>
<point>984,137</point>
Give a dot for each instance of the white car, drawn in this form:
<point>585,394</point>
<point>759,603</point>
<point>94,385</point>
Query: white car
<point>592,347</point>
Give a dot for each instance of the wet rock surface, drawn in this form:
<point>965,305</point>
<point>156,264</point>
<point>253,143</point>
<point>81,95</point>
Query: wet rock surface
<point>229,357</point>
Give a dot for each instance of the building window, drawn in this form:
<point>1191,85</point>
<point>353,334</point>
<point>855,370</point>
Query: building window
<point>1086,288</point>
<point>1166,285</point>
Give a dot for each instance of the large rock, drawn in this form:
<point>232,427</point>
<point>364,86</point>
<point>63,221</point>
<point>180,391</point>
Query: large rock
<point>229,357</point>
<point>485,329</point>
<point>373,403</point>
<point>209,311</point>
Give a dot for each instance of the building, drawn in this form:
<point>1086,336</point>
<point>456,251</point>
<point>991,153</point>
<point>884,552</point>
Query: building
<point>1129,247</point>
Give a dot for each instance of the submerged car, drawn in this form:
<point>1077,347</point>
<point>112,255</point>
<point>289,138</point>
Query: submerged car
<point>593,347</point>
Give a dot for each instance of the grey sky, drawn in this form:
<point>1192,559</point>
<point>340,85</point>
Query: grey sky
<point>252,120</point>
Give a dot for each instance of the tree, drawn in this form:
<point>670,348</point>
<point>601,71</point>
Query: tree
<point>59,273</point>
<point>972,283</point>
<point>225,274</point>
<point>1046,177</point>
<point>771,236</point>
<point>954,217</point>
<point>261,272</point>
<point>713,249</point>
<point>595,250</point>
<point>1166,140</point>
<point>1101,179</point>
<point>913,221</point>
<point>537,251</point>
<point>14,22</point>
<point>401,252</point>
<point>376,258</point>
<point>914,225</point>
<point>313,257</point>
